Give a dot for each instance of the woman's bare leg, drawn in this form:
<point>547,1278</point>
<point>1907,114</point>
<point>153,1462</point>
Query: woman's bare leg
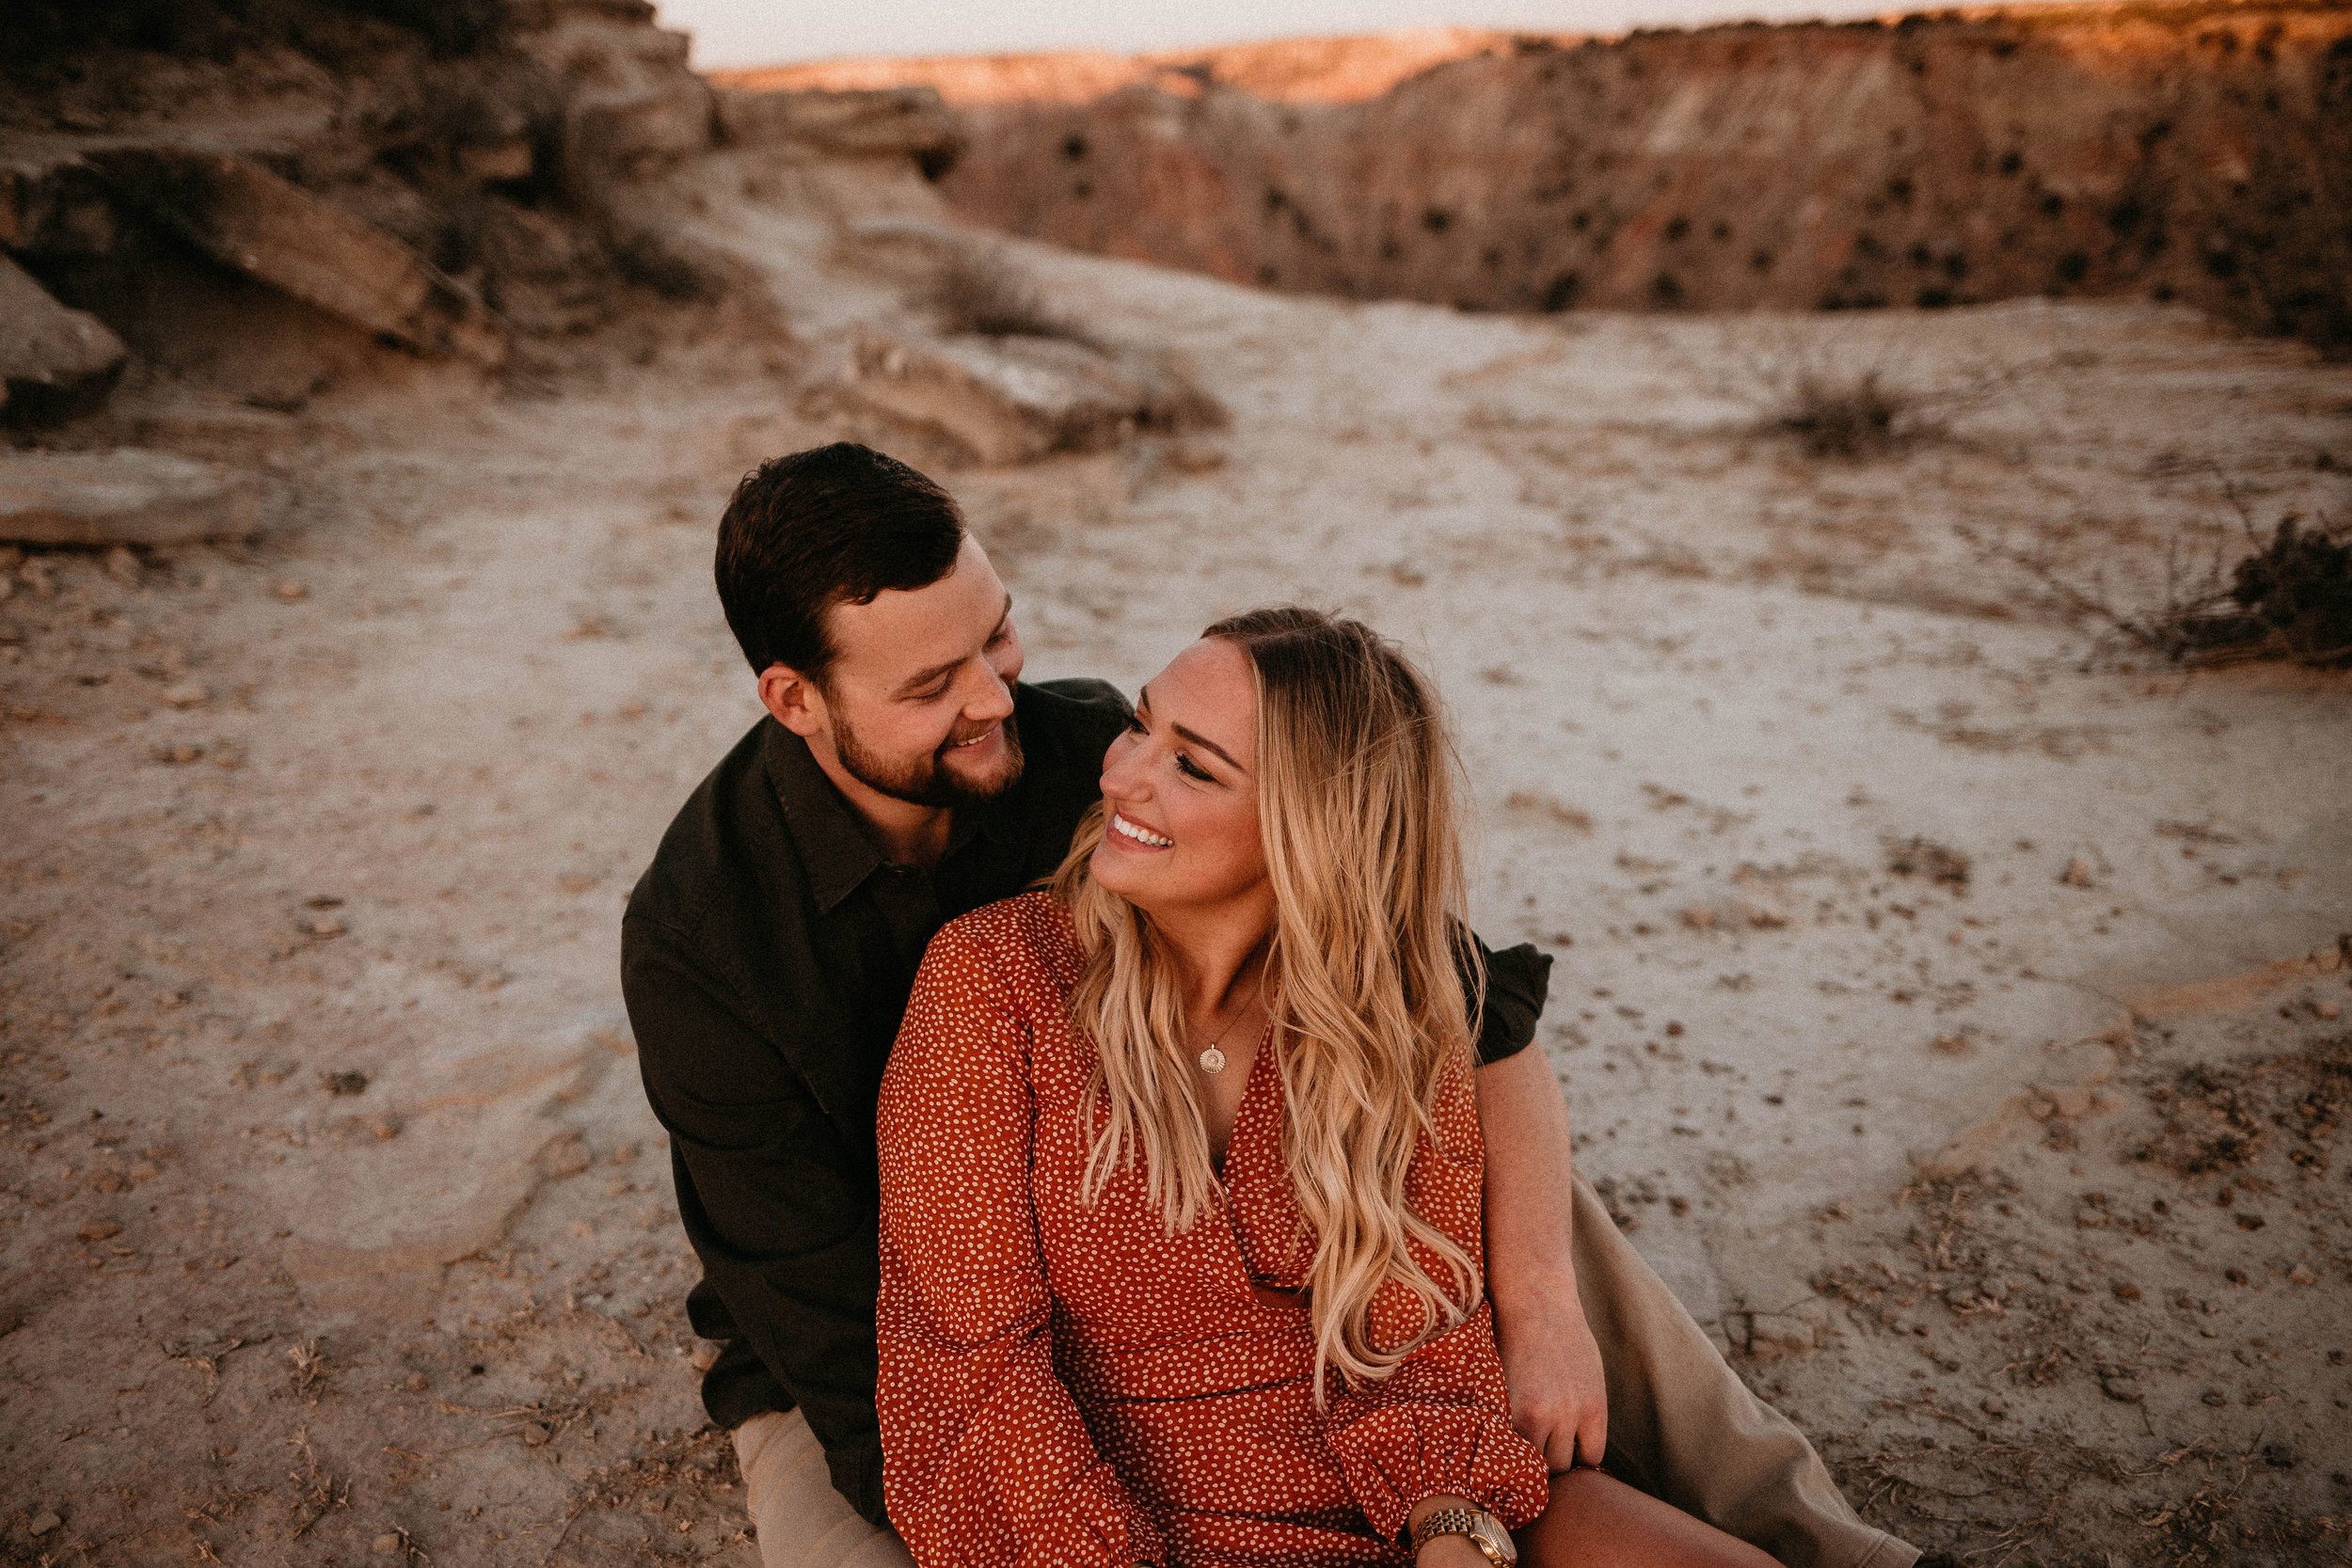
<point>1597,1520</point>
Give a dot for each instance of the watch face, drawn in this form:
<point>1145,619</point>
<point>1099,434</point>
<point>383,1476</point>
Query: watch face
<point>1491,1538</point>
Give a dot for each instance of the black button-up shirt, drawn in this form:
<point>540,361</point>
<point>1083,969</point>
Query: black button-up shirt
<point>767,956</point>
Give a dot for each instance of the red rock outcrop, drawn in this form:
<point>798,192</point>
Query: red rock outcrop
<point>2201,152</point>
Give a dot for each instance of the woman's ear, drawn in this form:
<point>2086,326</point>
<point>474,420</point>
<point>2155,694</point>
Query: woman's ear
<point>795,701</point>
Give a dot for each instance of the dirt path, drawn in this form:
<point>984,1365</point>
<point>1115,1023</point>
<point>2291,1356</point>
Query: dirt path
<point>334,1223</point>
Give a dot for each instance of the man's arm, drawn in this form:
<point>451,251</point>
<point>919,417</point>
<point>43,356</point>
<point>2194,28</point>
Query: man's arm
<point>1558,1398</point>
<point>779,1211</point>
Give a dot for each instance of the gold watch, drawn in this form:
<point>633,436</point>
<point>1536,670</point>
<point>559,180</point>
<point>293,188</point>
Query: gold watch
<point>1484,1531</point>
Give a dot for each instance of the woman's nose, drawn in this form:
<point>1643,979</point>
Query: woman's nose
<point>1122,779</point>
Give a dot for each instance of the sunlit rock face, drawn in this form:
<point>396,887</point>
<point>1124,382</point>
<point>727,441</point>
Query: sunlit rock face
<point>2200,153</point>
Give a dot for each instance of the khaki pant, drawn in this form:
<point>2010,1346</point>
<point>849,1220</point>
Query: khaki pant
<point>801,1520</point>
<point>1682,1427</point>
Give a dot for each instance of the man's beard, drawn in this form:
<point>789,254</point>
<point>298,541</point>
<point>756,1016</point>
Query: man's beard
<point>928,782</point>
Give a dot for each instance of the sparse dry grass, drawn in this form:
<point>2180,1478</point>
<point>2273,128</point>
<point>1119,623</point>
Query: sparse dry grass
<point>1861,416</point>
<point>985,291</point>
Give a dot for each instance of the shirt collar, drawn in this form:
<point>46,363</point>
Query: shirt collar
<point>834,851</point>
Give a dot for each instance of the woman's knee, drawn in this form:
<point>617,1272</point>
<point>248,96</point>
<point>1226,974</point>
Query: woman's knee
<point>1597,1521</point>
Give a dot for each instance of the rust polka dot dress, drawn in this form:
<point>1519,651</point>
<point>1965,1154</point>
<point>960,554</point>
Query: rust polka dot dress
<point>1065,1384</point>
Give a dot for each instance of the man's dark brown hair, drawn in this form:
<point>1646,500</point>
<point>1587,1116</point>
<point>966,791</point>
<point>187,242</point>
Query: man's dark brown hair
<point>831,525</point>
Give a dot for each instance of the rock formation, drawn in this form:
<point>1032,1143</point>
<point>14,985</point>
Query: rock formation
<point>2199,151</point>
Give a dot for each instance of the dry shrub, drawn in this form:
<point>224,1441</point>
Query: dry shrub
<point>985,291</point>
<point>2289,597</point>
<point>1859,415</point>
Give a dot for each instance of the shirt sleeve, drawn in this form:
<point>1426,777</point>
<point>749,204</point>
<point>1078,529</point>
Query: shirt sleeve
<point>779,1212</point>
<point>986,1459</point>
<point>1518,981</point>
<point>1439,1425</point>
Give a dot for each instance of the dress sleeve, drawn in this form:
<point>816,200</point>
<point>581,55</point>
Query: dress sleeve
<point>985,1458</point>
<point>1439,1425</point>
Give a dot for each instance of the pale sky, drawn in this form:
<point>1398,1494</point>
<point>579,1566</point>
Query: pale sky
<point>767,32</point>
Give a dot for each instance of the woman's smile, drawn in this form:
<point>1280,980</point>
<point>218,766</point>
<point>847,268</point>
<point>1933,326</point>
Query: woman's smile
<point>1135,836</point>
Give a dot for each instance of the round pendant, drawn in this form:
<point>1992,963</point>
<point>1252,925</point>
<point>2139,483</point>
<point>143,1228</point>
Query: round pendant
<point>1213,1060</point>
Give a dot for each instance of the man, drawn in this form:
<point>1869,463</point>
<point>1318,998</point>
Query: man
<point>904,775</point>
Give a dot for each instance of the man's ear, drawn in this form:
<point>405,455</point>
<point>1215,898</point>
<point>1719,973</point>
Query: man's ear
<point>795,700</point>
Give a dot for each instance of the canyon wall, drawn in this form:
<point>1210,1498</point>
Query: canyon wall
<point>2201,152</point>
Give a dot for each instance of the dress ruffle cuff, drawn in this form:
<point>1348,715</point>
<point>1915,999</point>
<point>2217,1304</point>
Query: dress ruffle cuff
<point>1094,1522</point>
<point>1397,1456</point>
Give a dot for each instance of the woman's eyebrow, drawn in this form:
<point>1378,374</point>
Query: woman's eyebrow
<point>1203,740</point>
<point>1143,705</point>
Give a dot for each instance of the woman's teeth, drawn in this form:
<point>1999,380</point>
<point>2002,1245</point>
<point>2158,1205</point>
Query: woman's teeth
<point>1141,835</point>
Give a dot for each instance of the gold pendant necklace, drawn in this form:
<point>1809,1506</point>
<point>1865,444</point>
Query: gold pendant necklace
<point>1213,1060</point>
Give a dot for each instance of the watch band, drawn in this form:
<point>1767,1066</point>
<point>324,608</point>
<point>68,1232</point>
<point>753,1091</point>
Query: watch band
<point>1474,1524</point>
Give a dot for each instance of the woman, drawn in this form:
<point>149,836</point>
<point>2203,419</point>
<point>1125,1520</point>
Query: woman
<point>1180,1165</point>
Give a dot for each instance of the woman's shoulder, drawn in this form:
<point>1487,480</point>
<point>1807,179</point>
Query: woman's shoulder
<point>1029,931</point>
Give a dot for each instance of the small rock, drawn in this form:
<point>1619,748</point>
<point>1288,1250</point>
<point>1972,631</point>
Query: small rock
<point>187,695</point>
<point>417,1383</point>
<point>2121,1387</point>
<point>566,1154</point>
<point>385,1545</point>
<point>344,1082</point>
<point>2301,1274</point>
<point>2214,1396</point>
<point>2126,1291</point>
<point>324,925</point>
<point>2329,1011</point>
<point>122,565</point>
<point>291,591</point>
<point>1188,457</point>
<point>43,1522</point>
<point>2078,873</point>
<point>128,495</point>
<point>99,1230</point>
<point>55,363</point>
<point>178,755</point>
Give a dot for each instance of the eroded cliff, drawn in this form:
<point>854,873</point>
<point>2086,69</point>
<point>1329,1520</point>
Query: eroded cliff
<point>2201,152</point>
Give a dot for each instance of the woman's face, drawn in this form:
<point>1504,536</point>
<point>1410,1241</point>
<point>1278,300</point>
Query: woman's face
<point>1181,785</point>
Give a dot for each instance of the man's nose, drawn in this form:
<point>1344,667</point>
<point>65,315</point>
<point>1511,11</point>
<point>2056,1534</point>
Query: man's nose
<point>991,697</point>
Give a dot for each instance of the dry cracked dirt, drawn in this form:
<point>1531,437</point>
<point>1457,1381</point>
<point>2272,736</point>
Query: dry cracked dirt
<point>1950,997</point>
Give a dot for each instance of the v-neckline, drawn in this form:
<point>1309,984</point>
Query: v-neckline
<point>1249,1090</point>
<point>1254,1095</point>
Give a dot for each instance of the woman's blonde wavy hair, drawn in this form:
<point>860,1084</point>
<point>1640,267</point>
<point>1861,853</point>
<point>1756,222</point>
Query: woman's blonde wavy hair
<point>1355,802</point>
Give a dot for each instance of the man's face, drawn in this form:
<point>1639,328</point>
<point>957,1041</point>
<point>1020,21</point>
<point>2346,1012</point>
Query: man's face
<point>918,701</point>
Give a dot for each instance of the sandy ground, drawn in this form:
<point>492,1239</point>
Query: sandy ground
<point>334,1224</point>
